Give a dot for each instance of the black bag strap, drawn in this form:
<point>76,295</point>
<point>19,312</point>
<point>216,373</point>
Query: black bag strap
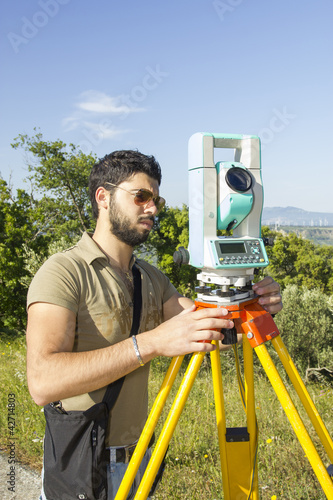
<point>113,389</point>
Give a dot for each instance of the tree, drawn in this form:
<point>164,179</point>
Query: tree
<point>53,215</point>
<point>59,176</point>
<point>171,232</point>
<point>295,260</point>
<point>17,229</point>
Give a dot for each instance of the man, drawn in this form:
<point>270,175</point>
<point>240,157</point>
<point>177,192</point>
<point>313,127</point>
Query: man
<point>80,308</point>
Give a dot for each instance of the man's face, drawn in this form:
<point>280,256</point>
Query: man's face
<point>129,222</point>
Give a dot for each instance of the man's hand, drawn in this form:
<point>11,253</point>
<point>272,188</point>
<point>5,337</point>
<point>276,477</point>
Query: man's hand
<point>269,294</point>
<point>269,298</point>
<point>185,332</point>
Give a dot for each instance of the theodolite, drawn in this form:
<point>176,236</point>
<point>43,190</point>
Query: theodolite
<point>227,196</point>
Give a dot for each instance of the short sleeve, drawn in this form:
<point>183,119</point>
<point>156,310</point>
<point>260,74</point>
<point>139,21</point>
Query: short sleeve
<point>56,282</point>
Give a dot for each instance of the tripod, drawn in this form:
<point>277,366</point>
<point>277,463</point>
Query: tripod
<point>238,446</point>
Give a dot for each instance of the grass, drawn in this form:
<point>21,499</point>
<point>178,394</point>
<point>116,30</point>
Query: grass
<point>193,470</point>
<point>28,417</point>
<point>193,467</point>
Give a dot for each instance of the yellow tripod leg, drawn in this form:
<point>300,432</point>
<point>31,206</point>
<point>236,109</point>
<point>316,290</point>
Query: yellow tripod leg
<point>250,414</point>
<point>149,428</point>
<point>238,459</point>
<point>304,396</point>
<point>295,420</point>
<point>220,418</point>
<point>169,426</point>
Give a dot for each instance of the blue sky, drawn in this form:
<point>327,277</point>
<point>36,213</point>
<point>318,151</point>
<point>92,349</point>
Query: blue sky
<point>109,75</point>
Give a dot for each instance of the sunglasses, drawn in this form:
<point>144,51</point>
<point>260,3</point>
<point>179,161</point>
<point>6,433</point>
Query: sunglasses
<point>143,197</point>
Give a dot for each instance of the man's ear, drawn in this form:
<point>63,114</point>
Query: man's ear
<point>102,198</point>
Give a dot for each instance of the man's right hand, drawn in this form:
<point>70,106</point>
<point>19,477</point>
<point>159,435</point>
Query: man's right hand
<point>190,331</point>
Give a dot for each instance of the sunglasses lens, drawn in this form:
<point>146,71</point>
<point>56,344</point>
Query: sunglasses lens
<point>159,203</point>
<point>142,197</point>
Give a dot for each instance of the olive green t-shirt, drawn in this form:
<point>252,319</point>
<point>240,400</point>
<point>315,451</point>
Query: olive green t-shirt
<point>82,280</point>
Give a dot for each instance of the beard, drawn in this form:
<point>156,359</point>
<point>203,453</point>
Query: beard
<point>121,227</point>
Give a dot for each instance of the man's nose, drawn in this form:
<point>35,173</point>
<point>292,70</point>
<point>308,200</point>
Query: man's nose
<point>151,207</point>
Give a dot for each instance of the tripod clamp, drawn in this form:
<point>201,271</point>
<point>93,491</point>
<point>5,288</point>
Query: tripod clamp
<point>249,317</point>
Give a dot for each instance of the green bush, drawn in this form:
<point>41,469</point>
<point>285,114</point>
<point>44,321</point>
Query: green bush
<point>306,325</point>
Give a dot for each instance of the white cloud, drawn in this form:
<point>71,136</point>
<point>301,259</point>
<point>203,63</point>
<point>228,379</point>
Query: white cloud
<point>97,102</point>
<point>97,113</point>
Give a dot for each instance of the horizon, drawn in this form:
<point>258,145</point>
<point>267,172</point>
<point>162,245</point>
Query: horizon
<point>297,208</point>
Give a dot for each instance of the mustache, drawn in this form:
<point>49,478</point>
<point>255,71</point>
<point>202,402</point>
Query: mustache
<point>146,217</point>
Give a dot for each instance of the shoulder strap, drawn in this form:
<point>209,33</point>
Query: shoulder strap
<point>113,390</point>
<point>137,300</point>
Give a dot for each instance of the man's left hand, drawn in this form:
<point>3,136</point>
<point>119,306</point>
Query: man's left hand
<point>269,294</point>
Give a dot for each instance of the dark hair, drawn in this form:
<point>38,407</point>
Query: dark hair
<point>117,167</point>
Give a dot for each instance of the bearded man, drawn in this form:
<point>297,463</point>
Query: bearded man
<point>80,308</point>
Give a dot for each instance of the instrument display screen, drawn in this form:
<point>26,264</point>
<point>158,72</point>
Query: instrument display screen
<point>233,248</point>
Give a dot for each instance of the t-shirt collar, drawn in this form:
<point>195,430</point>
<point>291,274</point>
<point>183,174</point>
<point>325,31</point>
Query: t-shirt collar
<point>91,251</point>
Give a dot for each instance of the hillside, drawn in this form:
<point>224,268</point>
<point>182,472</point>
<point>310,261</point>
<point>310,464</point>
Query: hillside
<point>292,216</point>
<point>314,226</point>
<point>319,235</point>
